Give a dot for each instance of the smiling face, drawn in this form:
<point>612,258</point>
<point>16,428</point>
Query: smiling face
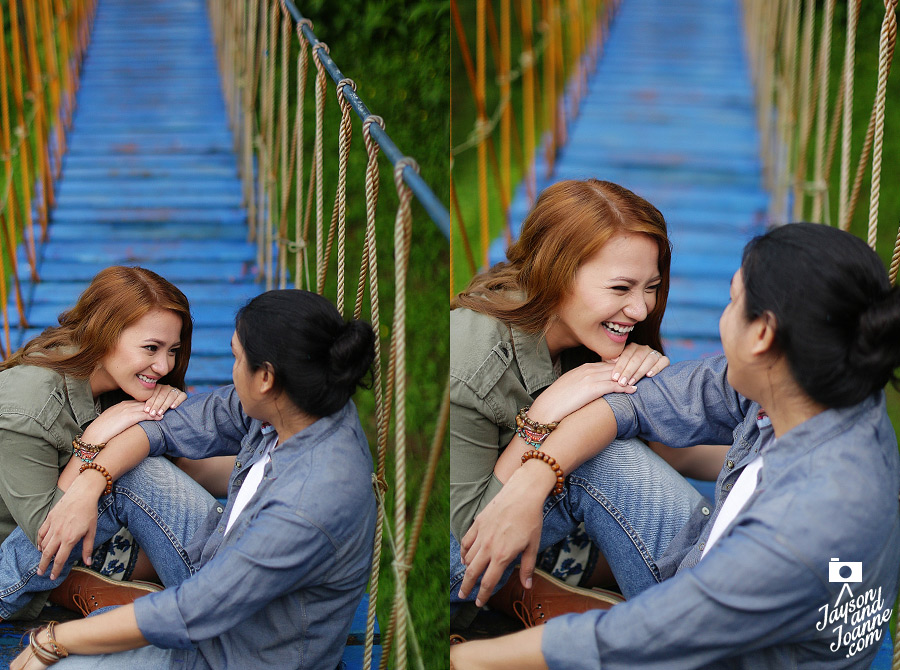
<point>144,353</point>
<point>613,290</point>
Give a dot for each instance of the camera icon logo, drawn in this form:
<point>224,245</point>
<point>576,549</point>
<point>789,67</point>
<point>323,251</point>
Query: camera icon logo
<point>844,572</point>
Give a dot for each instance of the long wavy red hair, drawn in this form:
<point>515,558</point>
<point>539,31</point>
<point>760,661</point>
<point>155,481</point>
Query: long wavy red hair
<point>116,297</point>
<point>569,223</point>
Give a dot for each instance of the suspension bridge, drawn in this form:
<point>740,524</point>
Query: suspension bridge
<point>687,104</point>
<point>172,156</point>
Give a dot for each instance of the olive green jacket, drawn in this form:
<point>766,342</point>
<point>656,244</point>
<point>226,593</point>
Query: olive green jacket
<point>41,412</point>
<point>495,370</point>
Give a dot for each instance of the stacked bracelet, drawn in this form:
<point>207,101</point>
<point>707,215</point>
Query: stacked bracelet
<point>52,652</point>
<point>532,432</point>
<point>103,471</point>
<point>86,452</point>
<point>549,460</point>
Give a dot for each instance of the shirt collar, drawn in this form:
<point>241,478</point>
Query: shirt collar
<point>81,399</point>
<point>533,358</point>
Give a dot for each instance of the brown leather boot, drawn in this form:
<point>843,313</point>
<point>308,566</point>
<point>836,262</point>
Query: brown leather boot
<point>86,591</point>
<point>548,598</point>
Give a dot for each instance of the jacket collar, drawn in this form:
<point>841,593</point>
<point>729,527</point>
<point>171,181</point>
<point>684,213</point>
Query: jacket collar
<point>533,358</point>
<point>81,399</point>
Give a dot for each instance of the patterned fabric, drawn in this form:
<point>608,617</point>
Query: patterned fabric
<point>116,557</point>
<point>573,560</point>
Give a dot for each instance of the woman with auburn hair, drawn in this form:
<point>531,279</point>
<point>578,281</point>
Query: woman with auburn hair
<point>572,315</point>
<point>805,521</point>
<point>119,356</point>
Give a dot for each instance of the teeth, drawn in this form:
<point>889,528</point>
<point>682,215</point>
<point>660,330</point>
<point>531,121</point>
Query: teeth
<point>616,328</point>
<point>146,379</point>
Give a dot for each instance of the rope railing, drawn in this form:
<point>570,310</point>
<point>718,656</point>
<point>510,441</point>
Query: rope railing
<point>556,42</point>
<point>42,43</point>
<point>258,40</point>
<point>802,124</point>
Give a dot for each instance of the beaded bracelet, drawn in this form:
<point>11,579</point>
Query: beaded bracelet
<point>78,442</point>
<point>523,421</point>
<point>103,471</point>
<point>86,452</point>
<point>549,460</point>
<point>55,653</point>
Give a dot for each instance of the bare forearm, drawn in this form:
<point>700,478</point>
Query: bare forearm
<point>521,651</point>
<point>579,437</point>
<point>122,454</point>
<point>106,633</point>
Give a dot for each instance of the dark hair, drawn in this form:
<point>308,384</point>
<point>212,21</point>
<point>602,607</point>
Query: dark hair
<point>837,315</point>
<point>317,358</point>
<point>116,297</point>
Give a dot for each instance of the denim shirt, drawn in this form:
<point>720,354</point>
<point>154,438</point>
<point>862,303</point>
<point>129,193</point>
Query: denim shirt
<point>767,595</point>
<point>280,589</point>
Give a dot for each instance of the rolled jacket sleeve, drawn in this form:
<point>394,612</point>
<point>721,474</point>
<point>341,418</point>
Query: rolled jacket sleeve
<point>279,552</point>
<point>207,424</point>
<point>751,593</point>
<point>686,404</point>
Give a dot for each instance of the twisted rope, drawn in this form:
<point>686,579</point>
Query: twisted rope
<point>402,234</point>
<point>301,262</point>
<point>885,54</point>
<point>895,265</point>
<point>319,153</point>
<point>283,130</point>
<point>369,266</point>
<point>847,121</point>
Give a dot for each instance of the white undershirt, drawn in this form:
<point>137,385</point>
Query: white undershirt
<point>251,483</point>
<point>736,500</point>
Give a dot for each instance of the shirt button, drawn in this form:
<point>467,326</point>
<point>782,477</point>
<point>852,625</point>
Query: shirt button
<point>237,464</point>
<point>730,464</point>
<point>238,482</point>
<point>701,546</point>
<point>727,486</point>
<point>705,510</point>
<point>220,510</point>
<point>220,529</point>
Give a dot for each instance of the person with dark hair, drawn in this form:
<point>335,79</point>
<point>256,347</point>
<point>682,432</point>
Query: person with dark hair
<point>573,314</point>
<point>796,563</point>
<point>273,577</point>
<point>117,357</point>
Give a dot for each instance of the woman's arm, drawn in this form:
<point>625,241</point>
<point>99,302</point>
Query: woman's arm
<point>75,516</point>
<point>519,651</point>
<point>106,633</point>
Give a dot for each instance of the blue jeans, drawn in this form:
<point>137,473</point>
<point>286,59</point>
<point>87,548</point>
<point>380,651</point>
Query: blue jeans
<point>162,507</point>
<point>632,504</point>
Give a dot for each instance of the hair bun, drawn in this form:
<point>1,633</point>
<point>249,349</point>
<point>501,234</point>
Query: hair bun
<point>876,352</point>
<point>351,354</point>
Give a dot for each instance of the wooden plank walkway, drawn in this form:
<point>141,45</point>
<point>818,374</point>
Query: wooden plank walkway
<point>670,114</point>
<point>150,178</point>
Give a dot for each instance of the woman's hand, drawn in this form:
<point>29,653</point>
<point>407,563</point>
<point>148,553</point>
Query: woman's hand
<point>164,397</point>
<point>636,362</point>
<point>509,525</point>
<point>574,390</point>
<point>27,661</point>
<point>72,519</point>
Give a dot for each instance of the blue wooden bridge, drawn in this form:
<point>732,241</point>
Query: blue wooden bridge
<point>670,115</point>
<point>150,178</point>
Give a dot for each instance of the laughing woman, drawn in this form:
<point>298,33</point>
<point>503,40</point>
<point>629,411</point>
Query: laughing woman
<point>574,314</point>
<point>118,357</point>
<point>811,336</point>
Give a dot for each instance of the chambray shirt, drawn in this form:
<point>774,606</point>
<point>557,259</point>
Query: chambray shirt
<point>280,589</point>
<point>764,596</point>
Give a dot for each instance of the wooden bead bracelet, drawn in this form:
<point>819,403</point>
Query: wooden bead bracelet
<point>103,471</point>
<point>549,460</point>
